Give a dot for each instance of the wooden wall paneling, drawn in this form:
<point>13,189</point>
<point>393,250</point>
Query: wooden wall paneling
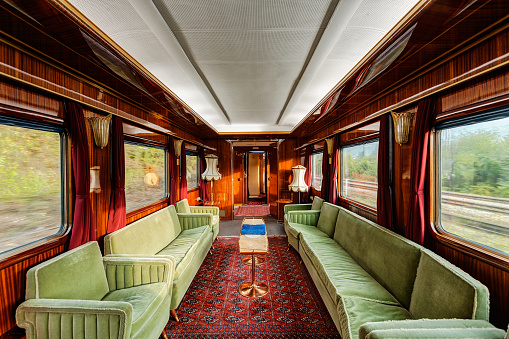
<point>272,180</point>
<point>288,157</point>
<point>239,182</point>
<point>192,195</point>
<point>223,189</point>
<point>13,284</point>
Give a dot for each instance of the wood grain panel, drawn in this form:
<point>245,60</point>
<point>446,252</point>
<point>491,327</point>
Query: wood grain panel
<point>144,211</point>
<point>192,195</point>
<point>239,182</point>
<point>13,284</point>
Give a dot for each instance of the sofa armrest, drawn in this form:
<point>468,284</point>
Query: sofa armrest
<point>430,328</point>
<point>123,271</point>
<point>304,217</point>
<point>193,220</point>
<point>214,210</point>
<point>65,318</point>
<point>296,207</point>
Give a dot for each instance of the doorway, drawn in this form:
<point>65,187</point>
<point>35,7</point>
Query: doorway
<point>256,169</point>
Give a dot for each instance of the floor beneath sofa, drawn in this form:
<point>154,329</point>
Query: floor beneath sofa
<point>213,308</point>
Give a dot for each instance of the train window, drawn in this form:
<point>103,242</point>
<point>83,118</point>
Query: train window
<point>473,182</point>
<point>193,171</point>
<point>316,171</point>
<point>359,165</point>
<point>32,182</point>
<point>145,180</point>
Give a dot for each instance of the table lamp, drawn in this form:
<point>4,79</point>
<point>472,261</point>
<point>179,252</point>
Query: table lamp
<point>298,184</point>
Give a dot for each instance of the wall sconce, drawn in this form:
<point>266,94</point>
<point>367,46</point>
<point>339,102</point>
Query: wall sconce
<point>330,147</point>
<point>95,183</point>
<point>402,122</point>
<point>101,129</point>
<point>178,149</point>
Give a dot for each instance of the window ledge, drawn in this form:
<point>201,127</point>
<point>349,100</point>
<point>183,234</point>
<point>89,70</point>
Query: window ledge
<point>357,204</point>
<point>479,252</point>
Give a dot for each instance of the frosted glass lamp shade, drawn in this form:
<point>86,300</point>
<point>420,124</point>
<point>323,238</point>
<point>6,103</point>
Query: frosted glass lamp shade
<point>211,173</point>
<point>298,184</point>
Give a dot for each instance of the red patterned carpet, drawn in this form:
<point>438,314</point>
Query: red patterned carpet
<point>252,210</point>
<point>213,308</point>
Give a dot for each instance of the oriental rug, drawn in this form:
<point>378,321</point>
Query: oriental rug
<point>213,308</point>
<point>252,210</point>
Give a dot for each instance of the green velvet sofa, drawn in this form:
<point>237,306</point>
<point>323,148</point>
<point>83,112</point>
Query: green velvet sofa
<point>315,206</point>
<point>80,294</point>
<point>366,273</point>
<point>186,238</point>
<point>182,206</point>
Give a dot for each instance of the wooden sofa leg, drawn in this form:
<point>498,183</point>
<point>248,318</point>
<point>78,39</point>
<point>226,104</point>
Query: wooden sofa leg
<point>164,334</point>
<point>174,315</point>
<point>289,247</point>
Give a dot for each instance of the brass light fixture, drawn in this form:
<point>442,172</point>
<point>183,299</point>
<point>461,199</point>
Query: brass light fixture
<point>330,148</point>
<point>101,129</point>
<point>178,149</point>
<point>402,122</point>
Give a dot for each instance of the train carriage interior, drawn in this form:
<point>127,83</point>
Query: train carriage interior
<point>254,169</point>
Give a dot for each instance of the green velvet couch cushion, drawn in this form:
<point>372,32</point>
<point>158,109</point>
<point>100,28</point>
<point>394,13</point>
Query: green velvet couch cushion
<point>308,217</point>
<point>75,274</point>
<point>339,272</point>
<point>450,333</point>
<point>353,312</point>
<point>185,246</point>
<point>389,258</point>
<point>295,229</point>
<point>182,206</point>
<point>148,235</point>
<point>455,328</point>
<point>145,299</point>
<point>317,203</point>
<point>327,220</point>
<point>442,290</point>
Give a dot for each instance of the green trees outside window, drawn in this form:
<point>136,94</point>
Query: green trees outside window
<point>193,171</point>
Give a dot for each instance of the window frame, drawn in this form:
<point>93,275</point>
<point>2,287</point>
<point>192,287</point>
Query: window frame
<point>464,245</point>
<point>339,178</point>
<point>197,170</point>
<point>137,141</point>
<point>17,254</point>
<point>311,169</point>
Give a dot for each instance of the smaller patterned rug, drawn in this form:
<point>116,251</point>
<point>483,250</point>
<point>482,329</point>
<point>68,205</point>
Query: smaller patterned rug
<point>213,308</point>
<point>252,210</point>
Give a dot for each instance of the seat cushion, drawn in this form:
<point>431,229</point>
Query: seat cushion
<point>317,203</point>
<point>145,299</point>
<point>353,312</point>
<point>340,274</point>
<point>184,247</point>
<point>75,274</point>
<point>295,229</point>
<point>327,220</point>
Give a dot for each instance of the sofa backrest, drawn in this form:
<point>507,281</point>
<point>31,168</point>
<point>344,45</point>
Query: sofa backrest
<point>327,219</point>
<point>182,206</point>
<point>442,290</point>
<point>391,259</point>
<point>317,203</point>
<point>75,274</point>
<point>148,235</point>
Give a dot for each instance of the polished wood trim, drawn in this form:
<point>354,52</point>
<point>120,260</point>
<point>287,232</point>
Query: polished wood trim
<point>479,106</point>
<point>38,248</point>
<point>146,210</point>
<point>132,138</point>
<point>359,139</point>
<point>357,204</point>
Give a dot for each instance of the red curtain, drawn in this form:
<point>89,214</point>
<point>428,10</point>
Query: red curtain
<point>183,172</point>
<point>307,175</point>
<point>204,190</point>
<point>83,226</point>
<point>173,170</point>
<point>384,192</point>
<point>325,174</point>
<point>419,184</point>
<point>117,216</point>
<point>333,177</point>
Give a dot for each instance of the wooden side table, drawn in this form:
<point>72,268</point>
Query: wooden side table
<point>284,202</point>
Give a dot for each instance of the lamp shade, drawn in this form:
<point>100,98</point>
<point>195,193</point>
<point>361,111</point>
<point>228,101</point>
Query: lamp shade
<point>211,173</point>
<point>298,184</point>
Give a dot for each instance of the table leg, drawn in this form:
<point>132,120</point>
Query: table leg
<point>258,260</point>
<point>253,289</point>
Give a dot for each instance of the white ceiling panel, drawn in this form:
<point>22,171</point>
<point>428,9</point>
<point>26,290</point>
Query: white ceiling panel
<point>247,65</point>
